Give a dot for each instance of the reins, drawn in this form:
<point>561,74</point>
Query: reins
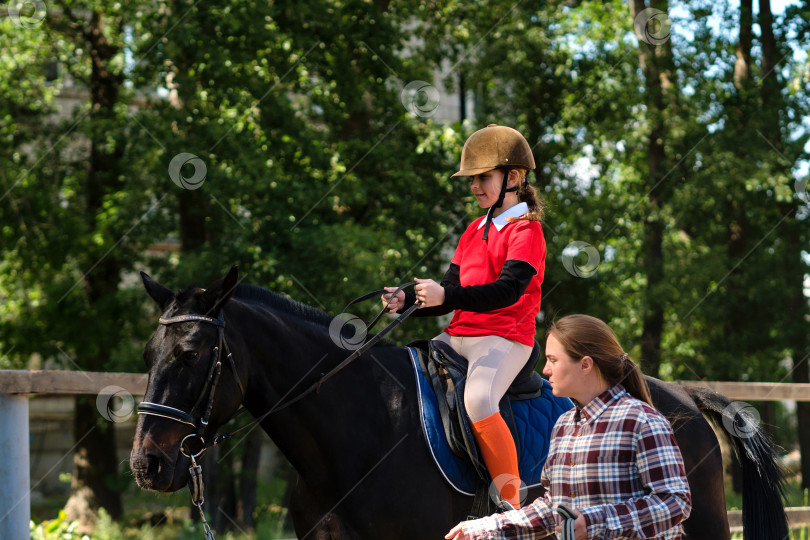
<point>315,387</point>
<point>196,486</point>
<point>568,519</point>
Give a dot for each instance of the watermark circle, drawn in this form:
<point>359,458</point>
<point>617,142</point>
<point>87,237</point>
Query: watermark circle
<point>348,331</point>
<point>570,254</point>
<point>195,181</point>
<point>28,13</point>
<point>420,98</point>
<point>115,404</point>
<point>653,26</point>
<point>741,419</point>
<point>498,483</point>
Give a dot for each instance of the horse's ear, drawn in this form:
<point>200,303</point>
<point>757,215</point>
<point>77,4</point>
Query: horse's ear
<point>160,294</point>
<point>218,294</point>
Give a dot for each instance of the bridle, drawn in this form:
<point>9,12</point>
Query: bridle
<point>149,408</point>
<point>569,516</point>
<point>210,387</point>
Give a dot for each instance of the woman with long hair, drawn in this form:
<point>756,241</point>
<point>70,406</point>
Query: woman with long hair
<point>613,457</point>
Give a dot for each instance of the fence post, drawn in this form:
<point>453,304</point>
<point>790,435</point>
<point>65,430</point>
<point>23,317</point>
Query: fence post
<point>15,482</point>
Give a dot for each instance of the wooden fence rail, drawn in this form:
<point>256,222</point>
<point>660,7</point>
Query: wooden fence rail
<point>757,391</point>
<point>16,386</point>
<point>798,516</point>
<point>68,382</point>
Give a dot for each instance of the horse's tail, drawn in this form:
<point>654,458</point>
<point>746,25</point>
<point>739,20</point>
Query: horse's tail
<point>763,481</point>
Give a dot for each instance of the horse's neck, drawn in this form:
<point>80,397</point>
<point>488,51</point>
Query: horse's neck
<point>285,355</point>
<point>280,349</point>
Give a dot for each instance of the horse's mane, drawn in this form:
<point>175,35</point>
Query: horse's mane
<point>272,300</point>
<point>265,297</point>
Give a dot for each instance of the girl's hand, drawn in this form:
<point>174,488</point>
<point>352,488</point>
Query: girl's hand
<point>396,303</point>
<point>428,292</point>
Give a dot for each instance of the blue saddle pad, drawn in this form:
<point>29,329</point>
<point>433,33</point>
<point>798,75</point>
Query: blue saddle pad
<point>534,419</point>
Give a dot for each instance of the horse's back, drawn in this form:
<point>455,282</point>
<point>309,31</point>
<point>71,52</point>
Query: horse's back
<point>386,485</point>
<point>702,459</point>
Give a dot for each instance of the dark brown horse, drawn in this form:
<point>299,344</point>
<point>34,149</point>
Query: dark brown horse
<point>364,470</point>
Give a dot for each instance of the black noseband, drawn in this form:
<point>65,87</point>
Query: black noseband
<point>164,411</point>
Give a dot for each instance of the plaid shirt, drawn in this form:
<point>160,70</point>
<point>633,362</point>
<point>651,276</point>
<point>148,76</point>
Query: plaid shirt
<point>617,462</point>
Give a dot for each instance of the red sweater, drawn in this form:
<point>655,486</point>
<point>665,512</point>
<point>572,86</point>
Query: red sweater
<point>481,262</point>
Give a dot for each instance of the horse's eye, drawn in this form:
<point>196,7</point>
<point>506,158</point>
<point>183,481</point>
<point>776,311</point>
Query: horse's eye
<point>189,357</point>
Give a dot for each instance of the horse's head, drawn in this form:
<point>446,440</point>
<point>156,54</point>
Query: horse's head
<point>189,372</point>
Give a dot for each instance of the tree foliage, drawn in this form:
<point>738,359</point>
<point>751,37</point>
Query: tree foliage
<point>322,183</point>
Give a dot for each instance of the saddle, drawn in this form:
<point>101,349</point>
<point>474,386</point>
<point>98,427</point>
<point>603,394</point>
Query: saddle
<point>529,409</point>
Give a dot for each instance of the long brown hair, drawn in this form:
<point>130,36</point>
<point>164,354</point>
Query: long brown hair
<point>583,335</point>
<point>526,193</point>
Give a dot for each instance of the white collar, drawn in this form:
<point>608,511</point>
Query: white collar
<point>500,221</point>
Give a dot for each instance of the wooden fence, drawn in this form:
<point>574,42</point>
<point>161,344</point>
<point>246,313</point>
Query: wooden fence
<point>16,386</point>
<point>757,391</point>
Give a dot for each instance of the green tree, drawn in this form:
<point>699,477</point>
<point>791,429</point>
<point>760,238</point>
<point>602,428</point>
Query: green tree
<point>653,151</point>
<point>317,189</point>
<point>75,208</point>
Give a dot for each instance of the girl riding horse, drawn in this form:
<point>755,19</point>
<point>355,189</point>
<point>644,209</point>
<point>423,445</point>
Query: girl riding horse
<point>493,287</point>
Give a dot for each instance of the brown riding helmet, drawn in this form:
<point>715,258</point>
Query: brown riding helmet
<point>492,147</point>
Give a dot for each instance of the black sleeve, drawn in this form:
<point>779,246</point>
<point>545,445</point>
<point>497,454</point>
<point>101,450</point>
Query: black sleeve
<point>505,291</point>
<point>450,279</point>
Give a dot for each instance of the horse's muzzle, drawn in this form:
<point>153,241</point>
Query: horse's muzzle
<point>156,462</point>
<point>154,472</point>
<point>147,468</point>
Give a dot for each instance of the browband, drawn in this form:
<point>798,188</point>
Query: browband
<point>192,317</point>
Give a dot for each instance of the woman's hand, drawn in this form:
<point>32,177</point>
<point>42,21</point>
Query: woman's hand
<point>428,292</point>
<point>457,533</point>
<point>580,527</point>
<point>396,302</point>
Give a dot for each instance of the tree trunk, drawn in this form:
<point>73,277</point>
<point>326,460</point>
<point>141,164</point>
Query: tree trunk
<point>735,322</point>
<point>656,82</point>
<point>796,322</point>
<point>802,375</point>
<point>220,493</point>
<point>95,464</point>
<point>794,234</point>
<point>770,79</point>
<point>192,210</point>
<point>742,67</point>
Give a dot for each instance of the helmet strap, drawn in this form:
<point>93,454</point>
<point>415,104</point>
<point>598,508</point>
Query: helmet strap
<point>498,204</point>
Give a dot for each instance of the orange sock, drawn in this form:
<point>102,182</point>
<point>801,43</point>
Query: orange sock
<point>498,449</point>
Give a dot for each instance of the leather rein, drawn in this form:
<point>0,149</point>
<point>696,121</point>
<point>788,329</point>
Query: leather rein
<point>164,411</point>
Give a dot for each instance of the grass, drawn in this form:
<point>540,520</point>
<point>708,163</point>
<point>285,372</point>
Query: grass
<point>172,511</point>
<point>154,516</point>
